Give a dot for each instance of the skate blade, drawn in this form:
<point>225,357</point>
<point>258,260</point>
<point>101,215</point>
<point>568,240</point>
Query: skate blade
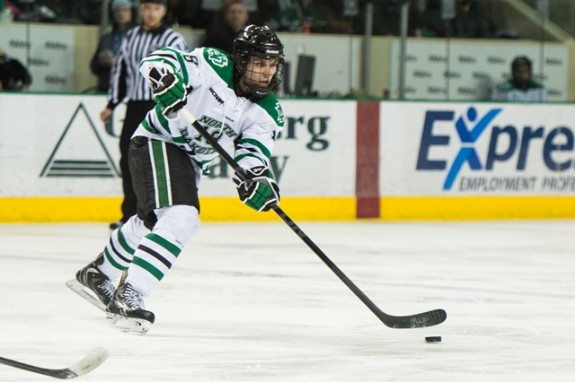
<point>129,325</point>
<point>85,293</point>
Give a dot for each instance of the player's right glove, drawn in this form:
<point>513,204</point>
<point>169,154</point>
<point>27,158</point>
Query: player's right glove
<point>168,88</point>
<point>257,188</point>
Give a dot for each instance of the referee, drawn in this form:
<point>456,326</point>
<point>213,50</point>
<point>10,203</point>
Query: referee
<point>127,83</point>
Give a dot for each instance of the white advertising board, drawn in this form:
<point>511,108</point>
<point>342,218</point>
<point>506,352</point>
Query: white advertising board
<point>477,149</point>
<point>456,70</point>
<point>56,146</point>
<point>48,53</point>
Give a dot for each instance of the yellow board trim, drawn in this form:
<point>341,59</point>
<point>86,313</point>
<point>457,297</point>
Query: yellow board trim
<point>57,209</point>
<point>477,207</point>
<point>396,208</point>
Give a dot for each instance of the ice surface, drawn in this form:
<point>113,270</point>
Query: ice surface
<point>250,302</point>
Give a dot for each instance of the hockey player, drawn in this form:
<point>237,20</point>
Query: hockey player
<point>521,87</point>
<point>232,97</point>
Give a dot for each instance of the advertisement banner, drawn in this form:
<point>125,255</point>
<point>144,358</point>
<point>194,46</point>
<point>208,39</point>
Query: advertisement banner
<point>481,149</point>
<point>57,146</point>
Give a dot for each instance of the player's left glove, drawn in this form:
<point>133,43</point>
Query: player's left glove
<point>257,188</point>
<point>168,88</point>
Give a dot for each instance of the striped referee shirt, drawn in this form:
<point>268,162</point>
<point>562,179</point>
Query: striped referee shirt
<point>125,79</point>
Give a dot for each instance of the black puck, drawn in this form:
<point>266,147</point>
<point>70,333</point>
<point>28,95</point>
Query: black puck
<point>433,339</point>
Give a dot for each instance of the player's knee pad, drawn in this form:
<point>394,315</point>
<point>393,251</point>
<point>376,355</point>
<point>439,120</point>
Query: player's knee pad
<point>179,221</point>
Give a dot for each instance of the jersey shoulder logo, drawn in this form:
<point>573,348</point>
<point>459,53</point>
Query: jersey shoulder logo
<point>217,58</point>
<point>272,107</point>
<point>220,62</point>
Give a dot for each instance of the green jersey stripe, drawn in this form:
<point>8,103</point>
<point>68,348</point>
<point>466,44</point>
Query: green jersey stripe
<point>258,144</point>
<point>241,156</point>
<point>162,118</point>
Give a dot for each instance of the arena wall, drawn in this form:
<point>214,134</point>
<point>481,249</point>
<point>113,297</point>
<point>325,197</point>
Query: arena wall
<point>335,160</point>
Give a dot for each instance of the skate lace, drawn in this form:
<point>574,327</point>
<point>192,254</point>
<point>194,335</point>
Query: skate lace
<point>132,298</point>
<point>107,288</point>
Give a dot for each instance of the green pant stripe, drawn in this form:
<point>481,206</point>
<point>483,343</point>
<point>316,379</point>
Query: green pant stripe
<point>161,173</point>
<point>148,267</point>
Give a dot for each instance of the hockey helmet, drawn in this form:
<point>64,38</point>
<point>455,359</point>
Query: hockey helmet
<point>258,41</point>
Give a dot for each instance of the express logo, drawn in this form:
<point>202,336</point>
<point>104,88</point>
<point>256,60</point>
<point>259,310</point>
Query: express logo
<point>469,127</point>
<point>507,145</point>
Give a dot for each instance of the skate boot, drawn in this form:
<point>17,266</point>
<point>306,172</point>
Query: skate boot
<point>97,282</point>
<point>128,312</point>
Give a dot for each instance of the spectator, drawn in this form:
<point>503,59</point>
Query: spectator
<point>105,55</point>
<point>210,10</point>
<point>126,82</point>
<point>521,87</point>
<point>287,15</point>
<point>303,16</point>
<point>13,75</point>
<point>223,30</point>
<point>468,22</point>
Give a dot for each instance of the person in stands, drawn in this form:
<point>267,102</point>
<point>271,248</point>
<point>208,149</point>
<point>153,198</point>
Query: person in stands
<point>109,44</point>
<point>521,87</point>
<point>13,75</point>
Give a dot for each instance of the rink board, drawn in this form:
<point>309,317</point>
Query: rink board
<point>335,160</point>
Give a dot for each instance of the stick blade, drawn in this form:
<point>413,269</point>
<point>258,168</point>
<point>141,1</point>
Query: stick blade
<point>94,359</point>
<point>420,320</point>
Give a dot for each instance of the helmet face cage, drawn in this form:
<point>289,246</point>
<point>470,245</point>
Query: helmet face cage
<point>258,41</point>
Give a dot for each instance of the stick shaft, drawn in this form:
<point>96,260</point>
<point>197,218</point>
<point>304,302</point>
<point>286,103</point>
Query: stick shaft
<point>294,227</point>
<point>59,373</point>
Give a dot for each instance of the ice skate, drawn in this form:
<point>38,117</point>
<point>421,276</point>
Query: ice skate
<point>128,312</point>
<point>94,281</point>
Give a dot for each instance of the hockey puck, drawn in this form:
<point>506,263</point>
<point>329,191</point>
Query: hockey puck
<point>433,339</point>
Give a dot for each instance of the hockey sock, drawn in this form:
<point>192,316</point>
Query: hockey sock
<point>159,249</point>
<point>120,249</point>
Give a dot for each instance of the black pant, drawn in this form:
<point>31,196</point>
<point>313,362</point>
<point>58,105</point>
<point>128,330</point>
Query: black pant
<point>156,187</point>
<point>135,113</point>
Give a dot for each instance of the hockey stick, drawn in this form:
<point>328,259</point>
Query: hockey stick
<point>89,363</point>
<point>421,320</point>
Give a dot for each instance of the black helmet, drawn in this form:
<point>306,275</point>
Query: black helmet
<point>259,41</point>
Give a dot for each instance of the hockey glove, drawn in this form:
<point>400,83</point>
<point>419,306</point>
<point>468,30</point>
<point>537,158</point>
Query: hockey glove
<point>168,88</point>
<point>257,188</point>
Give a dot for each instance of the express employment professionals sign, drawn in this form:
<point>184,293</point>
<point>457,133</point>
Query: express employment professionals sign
<point>477,149</point>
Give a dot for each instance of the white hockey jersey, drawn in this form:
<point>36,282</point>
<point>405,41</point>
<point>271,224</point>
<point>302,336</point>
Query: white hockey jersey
<point>250,127</point>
